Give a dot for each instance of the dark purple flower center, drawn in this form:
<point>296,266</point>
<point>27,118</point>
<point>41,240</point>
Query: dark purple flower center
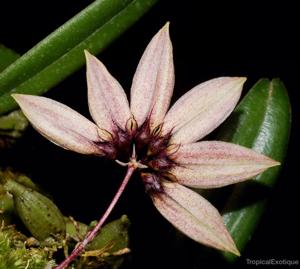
<point>152,149</point>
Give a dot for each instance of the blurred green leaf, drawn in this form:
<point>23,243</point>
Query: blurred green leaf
<point>13,124</point>
<point>7,56</point>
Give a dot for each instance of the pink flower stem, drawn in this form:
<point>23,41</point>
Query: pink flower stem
<point>91,234</point>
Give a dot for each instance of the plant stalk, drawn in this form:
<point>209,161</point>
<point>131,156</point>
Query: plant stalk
<point>91,234</point>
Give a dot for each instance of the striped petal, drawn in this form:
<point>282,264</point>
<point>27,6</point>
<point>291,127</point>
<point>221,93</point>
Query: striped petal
<point>194,216</point>
<point>153,82</point>
<point>108,103</point>
<point>203,108</point>
<point>60,124</point>
<point>211,164</point>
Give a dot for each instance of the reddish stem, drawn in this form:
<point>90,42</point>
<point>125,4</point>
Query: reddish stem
<point>91,234</point>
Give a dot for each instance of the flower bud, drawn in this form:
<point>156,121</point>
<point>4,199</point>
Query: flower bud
<point>38,213</point>
<point>6,207</point>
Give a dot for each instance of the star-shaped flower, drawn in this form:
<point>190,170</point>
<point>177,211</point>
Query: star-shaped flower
<point>165,141</point>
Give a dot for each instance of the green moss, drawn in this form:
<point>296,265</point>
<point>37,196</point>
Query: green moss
<point>15,255</point>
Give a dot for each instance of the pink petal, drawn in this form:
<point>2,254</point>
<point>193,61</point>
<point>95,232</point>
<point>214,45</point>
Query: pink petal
<point>203,108</point>
<point>60,124</point>
<point>211,164</point>
<point>194,216</point>
<point>153,82</point>
<point>108,103</point>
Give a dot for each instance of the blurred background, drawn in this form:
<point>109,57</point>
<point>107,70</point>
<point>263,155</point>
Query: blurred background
<point>210,39</point>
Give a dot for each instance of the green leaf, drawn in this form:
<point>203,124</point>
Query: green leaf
<point>7,56</point>
<point>61,53</point>
<point>261,122</point>
<point>13,124</point>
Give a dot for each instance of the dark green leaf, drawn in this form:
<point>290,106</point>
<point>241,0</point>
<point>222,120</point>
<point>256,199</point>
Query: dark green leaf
<point>261,122</point>
<point>61,53</point>
<point>7,56</point>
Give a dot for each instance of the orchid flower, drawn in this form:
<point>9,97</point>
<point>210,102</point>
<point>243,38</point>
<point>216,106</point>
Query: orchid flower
<point>160,143</point>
